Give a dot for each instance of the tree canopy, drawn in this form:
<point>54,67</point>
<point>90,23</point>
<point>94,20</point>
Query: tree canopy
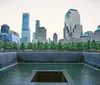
<point>73,46</point>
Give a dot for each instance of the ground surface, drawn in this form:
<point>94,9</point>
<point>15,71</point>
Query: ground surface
<point>80,74</point>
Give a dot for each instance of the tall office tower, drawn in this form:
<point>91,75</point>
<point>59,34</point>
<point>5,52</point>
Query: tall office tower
<point>55,38</point>
<point>25,28</point>
<point>41,34</point>
<point>49,40</point>
<point>5,28</point>
<point>72,25</point>
<point>37,25</point>
<point>34,38</point>
<point>7,35</point>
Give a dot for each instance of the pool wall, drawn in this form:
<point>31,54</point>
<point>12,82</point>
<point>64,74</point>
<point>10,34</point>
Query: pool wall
<point>10,58</point>
<point>50,56</point>
<point>7,59</point>
<point>92,58</point>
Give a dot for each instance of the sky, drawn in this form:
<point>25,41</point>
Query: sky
<point>51,14</point>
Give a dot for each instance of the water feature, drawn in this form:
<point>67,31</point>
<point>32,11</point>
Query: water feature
<point>79,73</point>
<point>49,76</point>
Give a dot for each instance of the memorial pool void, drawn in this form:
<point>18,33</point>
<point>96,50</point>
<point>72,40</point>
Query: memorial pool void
<point>49,76</point>
<point>20,74</point>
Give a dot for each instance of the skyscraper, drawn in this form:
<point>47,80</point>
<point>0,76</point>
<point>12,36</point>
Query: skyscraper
<point>37,25</point>
<point>25,28</point>
<point>5,28</point>
<point>55,38</point>
<point>49,40</point>
<point>34,38</point>
<point>41,34</point>
<point>72,24</point>
<point>8,35</point>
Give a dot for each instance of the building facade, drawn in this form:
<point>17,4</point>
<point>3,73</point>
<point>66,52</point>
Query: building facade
<point>34,40</point>
<point>41,34</point>
<point>85,37</point>
<point>25,28</point>
<point>14,33</point>
<point>7,35</point>
<point>5,28</point>
<point>72,25</point>
<point>96,34</point>
<point>49,40</point>
<point>55,38</point>
<point>37,25</point>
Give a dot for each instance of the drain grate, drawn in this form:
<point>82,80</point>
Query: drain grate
<point>49,76</point>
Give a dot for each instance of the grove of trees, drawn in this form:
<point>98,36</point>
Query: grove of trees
<point>40,46</point>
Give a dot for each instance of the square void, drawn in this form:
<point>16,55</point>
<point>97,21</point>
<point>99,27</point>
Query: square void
<point>49,76</point>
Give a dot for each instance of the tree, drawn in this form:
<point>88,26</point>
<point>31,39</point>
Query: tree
<point>22,46</point>
<point>88,43</point>
<point>72,46</point>
<point>40,45</point>
<point>7,45</point>
<point>66,46</point>
<point>10,46</point>
<point>93,45</point>
<point>84,46</point>
<point>59,46</point>
<point>1,45</point>
<point>34,46</point>
<point>46,46</point>
<point>53,46</point>
<point>49,46</point>
<point>79,46</point>
<point>29,45</point>
<point>15,46</point>
<point>98,45</point>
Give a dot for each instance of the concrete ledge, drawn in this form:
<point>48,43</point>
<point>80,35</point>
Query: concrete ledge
<point>8,66</point>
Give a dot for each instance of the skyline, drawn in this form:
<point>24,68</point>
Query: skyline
<point>50,13</point>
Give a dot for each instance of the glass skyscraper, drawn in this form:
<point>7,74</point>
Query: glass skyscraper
<point>72,24</point>
<point>37,25</point>
<point>41,34</point>
<point>5,28</point>
<point>25,28</point>
<point>55,38</point>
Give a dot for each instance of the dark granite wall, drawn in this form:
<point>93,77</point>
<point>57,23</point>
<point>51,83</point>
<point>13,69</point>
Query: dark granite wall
<point>92,58</point>
<point>7,58</point>
<point>50,56</point>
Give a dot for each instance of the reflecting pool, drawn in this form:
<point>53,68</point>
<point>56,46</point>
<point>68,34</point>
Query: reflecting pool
<point>79,73</point>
